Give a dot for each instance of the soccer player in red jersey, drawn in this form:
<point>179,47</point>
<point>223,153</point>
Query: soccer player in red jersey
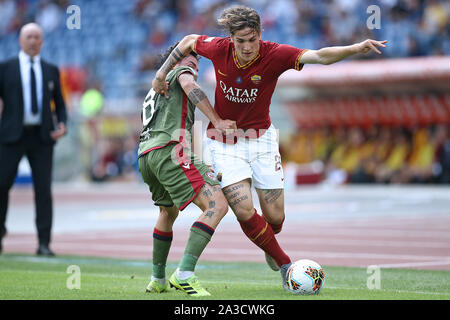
<point>247,69</point>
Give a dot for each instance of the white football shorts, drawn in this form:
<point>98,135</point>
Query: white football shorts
<point>258,159</point>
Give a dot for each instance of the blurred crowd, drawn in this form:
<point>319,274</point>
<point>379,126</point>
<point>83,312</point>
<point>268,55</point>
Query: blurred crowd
<point>49,14</point>
<point>373,155</point>
<point>121,41</point>
<point>412,27</point>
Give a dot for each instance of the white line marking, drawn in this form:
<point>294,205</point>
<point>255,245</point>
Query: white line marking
<point>117,248</point>
<point>415,264</point>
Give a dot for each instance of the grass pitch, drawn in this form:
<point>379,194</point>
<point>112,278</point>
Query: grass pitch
<point>26,277</point>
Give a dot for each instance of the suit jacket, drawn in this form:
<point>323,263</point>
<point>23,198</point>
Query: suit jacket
<point>11,118</point>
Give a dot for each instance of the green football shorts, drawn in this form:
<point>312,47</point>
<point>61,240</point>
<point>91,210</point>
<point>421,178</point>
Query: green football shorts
<point>174,175</point>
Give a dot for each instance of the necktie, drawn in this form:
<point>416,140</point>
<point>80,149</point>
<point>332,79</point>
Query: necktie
<point>34,103</point>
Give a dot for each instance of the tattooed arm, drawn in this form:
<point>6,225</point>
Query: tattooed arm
<point>181,50</point>
<point>201,101</point>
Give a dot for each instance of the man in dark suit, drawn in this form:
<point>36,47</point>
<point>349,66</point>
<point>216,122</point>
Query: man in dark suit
<point>30,126</point>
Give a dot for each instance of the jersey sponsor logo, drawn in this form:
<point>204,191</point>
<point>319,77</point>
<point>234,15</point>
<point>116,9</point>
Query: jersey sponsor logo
<point>239,95</point>
<point>256,79</point>
<point>208,39</point>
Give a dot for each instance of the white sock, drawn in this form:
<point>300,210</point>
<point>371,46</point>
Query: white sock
<point>161,281</point>
<point>183,275</point>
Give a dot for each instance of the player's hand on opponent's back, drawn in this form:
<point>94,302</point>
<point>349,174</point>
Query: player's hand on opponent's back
<point>225,126</point>
<point>370,45</point>
<point>161,87</point>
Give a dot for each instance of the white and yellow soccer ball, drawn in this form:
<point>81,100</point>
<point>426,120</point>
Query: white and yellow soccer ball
<point>305,277</point>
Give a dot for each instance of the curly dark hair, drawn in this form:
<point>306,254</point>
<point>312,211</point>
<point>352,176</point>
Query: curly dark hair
<point>165,55</point>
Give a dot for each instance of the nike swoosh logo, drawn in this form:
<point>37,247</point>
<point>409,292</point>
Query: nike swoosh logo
<point>221,73</point>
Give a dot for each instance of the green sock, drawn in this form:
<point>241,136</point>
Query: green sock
<point>199,237</point>
<point>161,247</point>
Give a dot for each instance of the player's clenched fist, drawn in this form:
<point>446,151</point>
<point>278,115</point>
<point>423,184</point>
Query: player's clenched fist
<point>226,126</point>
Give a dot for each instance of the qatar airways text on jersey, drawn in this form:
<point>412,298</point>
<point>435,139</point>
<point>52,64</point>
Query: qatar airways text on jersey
<point>239,95</point>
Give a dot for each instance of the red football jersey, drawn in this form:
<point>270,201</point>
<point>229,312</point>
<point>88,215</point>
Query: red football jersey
<point>243,92</point>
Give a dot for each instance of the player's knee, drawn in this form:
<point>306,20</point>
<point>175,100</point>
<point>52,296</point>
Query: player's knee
<point>168,214</point>
<point>278,220</point>
<point>222,207</point>
<point>244,213</point>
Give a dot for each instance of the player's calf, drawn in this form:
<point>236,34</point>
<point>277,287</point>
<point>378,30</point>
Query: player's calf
<point>260,233</point>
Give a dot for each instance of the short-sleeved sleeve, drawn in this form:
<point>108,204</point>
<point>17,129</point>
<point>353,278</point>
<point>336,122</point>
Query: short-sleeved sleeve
<point>210,47</point>
<point>287,56</point>
<point>184,69</point>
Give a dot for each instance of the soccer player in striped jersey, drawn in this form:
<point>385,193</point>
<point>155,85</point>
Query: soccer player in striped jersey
<point>175,176</point>
<point>247,69</point>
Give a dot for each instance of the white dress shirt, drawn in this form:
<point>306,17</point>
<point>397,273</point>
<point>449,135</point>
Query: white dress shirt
<point>28,117</point>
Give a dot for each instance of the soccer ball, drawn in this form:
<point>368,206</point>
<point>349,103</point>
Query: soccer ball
<point>305,277</point>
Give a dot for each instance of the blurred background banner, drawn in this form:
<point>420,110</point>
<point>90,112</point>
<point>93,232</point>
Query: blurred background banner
<point>369,119</point>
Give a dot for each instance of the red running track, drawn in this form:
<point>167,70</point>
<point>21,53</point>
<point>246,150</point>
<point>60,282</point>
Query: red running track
<point>420,241</point>
<point>417,244</point>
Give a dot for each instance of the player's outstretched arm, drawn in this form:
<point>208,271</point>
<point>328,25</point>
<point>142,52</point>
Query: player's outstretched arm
<point>331,55</point>
<point>201,101</point>
<point>184,47</point>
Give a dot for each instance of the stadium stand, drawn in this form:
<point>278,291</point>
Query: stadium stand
<point>407,97</point>
<point>116,50</point>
